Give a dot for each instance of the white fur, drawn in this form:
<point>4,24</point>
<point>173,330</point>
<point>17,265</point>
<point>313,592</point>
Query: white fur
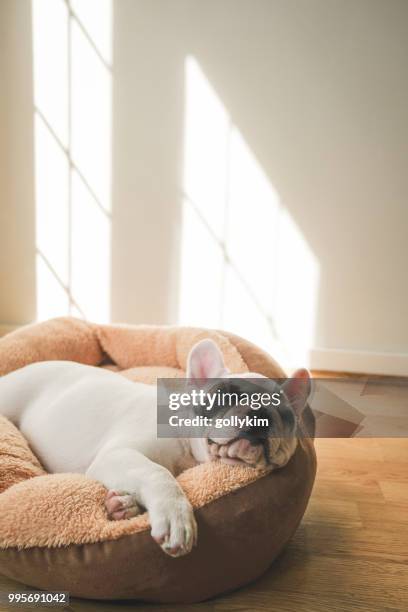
<point>79,418</point>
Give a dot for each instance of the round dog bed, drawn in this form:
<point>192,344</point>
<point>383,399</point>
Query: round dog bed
<point>54,532</point>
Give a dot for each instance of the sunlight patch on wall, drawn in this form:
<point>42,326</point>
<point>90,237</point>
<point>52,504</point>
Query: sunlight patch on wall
<point>52,296</point>
<point>52,202</point>
<point>91,116</point>
<point>96,18</point>
<point>241,312</point>
<point>245,265</point>
<point>201,272</point>
<point>50,65</point>
<point>90,259</point>
<point>297,284</point>
<point>206,140</point>
<point>253,217</point>
<point>72,107</point>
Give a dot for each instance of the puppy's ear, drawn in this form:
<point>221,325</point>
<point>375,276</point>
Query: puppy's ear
<point>297,390</point>
<point>205,361</point>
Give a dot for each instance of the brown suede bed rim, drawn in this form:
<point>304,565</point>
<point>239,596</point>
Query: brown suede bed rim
<point>91,570</point>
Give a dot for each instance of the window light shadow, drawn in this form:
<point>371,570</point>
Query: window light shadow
<point>245,265</point>
<point>72,107</point>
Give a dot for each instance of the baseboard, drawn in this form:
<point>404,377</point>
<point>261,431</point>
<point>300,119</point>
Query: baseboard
<point>337,360</point>
<point>6,328</point>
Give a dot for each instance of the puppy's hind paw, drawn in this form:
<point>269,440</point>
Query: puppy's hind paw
<point>121,505</point>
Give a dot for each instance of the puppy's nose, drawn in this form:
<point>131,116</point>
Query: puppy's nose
<point>242,446</point>
<point>243,449</point>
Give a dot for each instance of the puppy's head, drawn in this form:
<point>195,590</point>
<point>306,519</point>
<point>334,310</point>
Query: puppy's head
<point>268,445</point>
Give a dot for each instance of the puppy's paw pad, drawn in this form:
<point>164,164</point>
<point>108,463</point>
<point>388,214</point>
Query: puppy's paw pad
<point>121,505</point>
<point>175,530</point>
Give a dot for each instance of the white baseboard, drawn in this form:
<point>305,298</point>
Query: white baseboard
<point>337,360</point>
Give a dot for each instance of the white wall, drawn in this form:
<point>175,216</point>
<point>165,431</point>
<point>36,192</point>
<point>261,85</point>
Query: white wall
<point>147,161</point>
<point>317,90</point>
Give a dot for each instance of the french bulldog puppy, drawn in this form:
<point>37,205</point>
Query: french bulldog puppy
<point>80,418</point>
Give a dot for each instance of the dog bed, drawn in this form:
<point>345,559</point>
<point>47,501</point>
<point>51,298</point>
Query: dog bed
<point>54,532</point>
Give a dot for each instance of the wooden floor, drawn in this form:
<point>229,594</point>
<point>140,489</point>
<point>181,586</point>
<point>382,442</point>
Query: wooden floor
<point>350,552</point>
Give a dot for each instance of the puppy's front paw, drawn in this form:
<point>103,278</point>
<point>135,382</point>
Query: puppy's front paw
<point>121,505</point>
<point>174,527</point>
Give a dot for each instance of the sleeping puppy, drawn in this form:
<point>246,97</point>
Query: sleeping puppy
<point>79,418</point>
